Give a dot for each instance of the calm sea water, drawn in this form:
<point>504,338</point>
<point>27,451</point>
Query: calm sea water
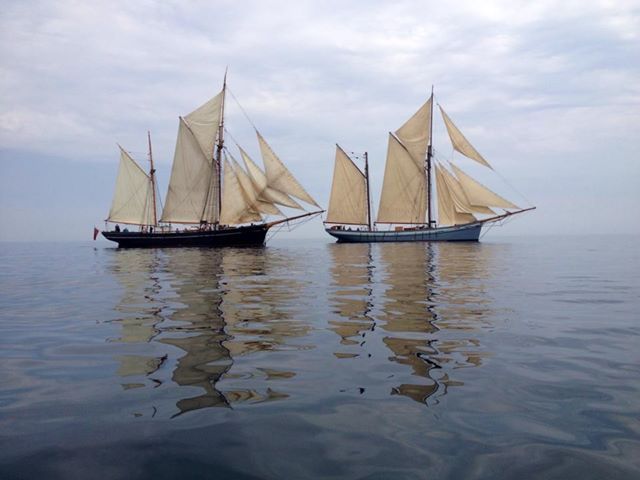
<point>504,359</point>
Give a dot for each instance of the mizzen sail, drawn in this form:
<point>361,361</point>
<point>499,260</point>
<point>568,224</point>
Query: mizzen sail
<point>133,196</point>
<point>348,201</point>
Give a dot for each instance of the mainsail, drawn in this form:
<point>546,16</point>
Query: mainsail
<point>192,196</point>
<point>416,132</point>
<point>133,196</point>
<point>348,201</point>
<point>404,188</point>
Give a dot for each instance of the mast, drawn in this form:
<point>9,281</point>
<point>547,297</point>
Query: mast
<point>152,175</point>
<point>429,155</point>
<point>366,176</point>
<point>220,145</point>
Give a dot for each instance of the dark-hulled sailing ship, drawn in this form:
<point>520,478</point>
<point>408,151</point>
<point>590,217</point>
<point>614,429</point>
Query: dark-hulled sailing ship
<point>216,201</point>
<point>465,206</point>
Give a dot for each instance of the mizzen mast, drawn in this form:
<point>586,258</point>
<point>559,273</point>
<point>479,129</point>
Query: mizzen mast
<point>366,175</point>
<point>152,177</point>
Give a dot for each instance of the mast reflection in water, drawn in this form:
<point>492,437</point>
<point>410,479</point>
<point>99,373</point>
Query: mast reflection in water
<point>422,303</point>
<point>213,306</point>
<point>230,326</point>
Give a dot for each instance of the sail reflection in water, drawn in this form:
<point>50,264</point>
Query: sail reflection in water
<point>215,306</point>
<point>423,305</point>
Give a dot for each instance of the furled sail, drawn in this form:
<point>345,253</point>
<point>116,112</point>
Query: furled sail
<point>415,132</point>
<point>460,143</point>
<point>236,208</point>
<point>404,188</point>
<point>190,182</point>
<point>278,176</point>
<point>260,183</point>
<point>348,201</point>
<point>133,196</point>
<point>450,210</point>
<point>478,194</point>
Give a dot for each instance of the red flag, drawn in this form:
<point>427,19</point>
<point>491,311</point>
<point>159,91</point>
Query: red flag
<point>95,233</point>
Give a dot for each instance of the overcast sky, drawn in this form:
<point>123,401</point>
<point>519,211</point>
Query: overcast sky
<point>548,92</point>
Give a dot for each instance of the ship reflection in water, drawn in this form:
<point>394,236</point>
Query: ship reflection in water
<point>232,326</point>
<point>421,301</point>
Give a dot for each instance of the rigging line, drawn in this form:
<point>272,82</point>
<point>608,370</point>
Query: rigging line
<point>244,112</point>
<point>515,190</point>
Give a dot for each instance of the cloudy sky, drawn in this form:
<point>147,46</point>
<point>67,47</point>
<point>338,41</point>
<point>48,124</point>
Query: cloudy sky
<point>548,92</point>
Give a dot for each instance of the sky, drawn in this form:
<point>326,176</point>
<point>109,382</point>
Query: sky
<point>547,91</point>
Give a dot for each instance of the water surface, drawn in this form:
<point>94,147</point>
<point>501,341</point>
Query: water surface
<point>509,358</point>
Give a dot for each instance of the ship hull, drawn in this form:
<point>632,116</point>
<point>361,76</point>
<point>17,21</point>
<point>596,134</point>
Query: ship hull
<point>458,233</point>
<point>249,236</point>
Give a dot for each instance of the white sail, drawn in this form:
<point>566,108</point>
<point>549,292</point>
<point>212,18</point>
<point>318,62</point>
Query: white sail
<point>133,196</point>
<point>278,176</point>
<point>451,211</point>
<point>415,132</point>
<point>260,183</point>
<point>460,198</point>
<point>251,195</point>
<point>460,143</point>
<point>235,206</point>
<point>404,188</point>
<point>190,182</point>
<point>204,122</point>
<point>478,194</point>
<point>348,201</point>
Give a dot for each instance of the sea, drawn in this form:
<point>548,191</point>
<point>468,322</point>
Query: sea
<point>510,358</point>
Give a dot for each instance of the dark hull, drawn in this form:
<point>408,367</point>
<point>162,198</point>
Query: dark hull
<point>229,237</point>
<point>459,233</point>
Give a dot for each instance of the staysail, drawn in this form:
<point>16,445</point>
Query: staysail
<point>404,187</point>
<point>478,194</point>
<point>259,180</point>
<point>251,193</point>
<point>278,175</point>
<point>452,209</point>
<point>133,196</point>
<point>236,207</point>
<point>348,201</point>
<point>460,143</point>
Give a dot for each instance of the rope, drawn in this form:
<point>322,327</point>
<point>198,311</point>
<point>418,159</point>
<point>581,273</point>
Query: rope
<point>242,110</point>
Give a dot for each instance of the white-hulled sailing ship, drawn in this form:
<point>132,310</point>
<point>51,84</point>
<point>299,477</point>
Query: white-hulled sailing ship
<point>464,204</point>
<point>214,199</point>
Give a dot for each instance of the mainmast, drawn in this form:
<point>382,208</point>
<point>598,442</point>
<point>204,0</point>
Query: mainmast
<point>152,175</point>
<point>366,175</point>
<point>429,155</point>
<point>220,146</point>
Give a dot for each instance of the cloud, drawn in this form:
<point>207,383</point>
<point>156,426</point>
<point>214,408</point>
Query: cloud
<point>533,84</point>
